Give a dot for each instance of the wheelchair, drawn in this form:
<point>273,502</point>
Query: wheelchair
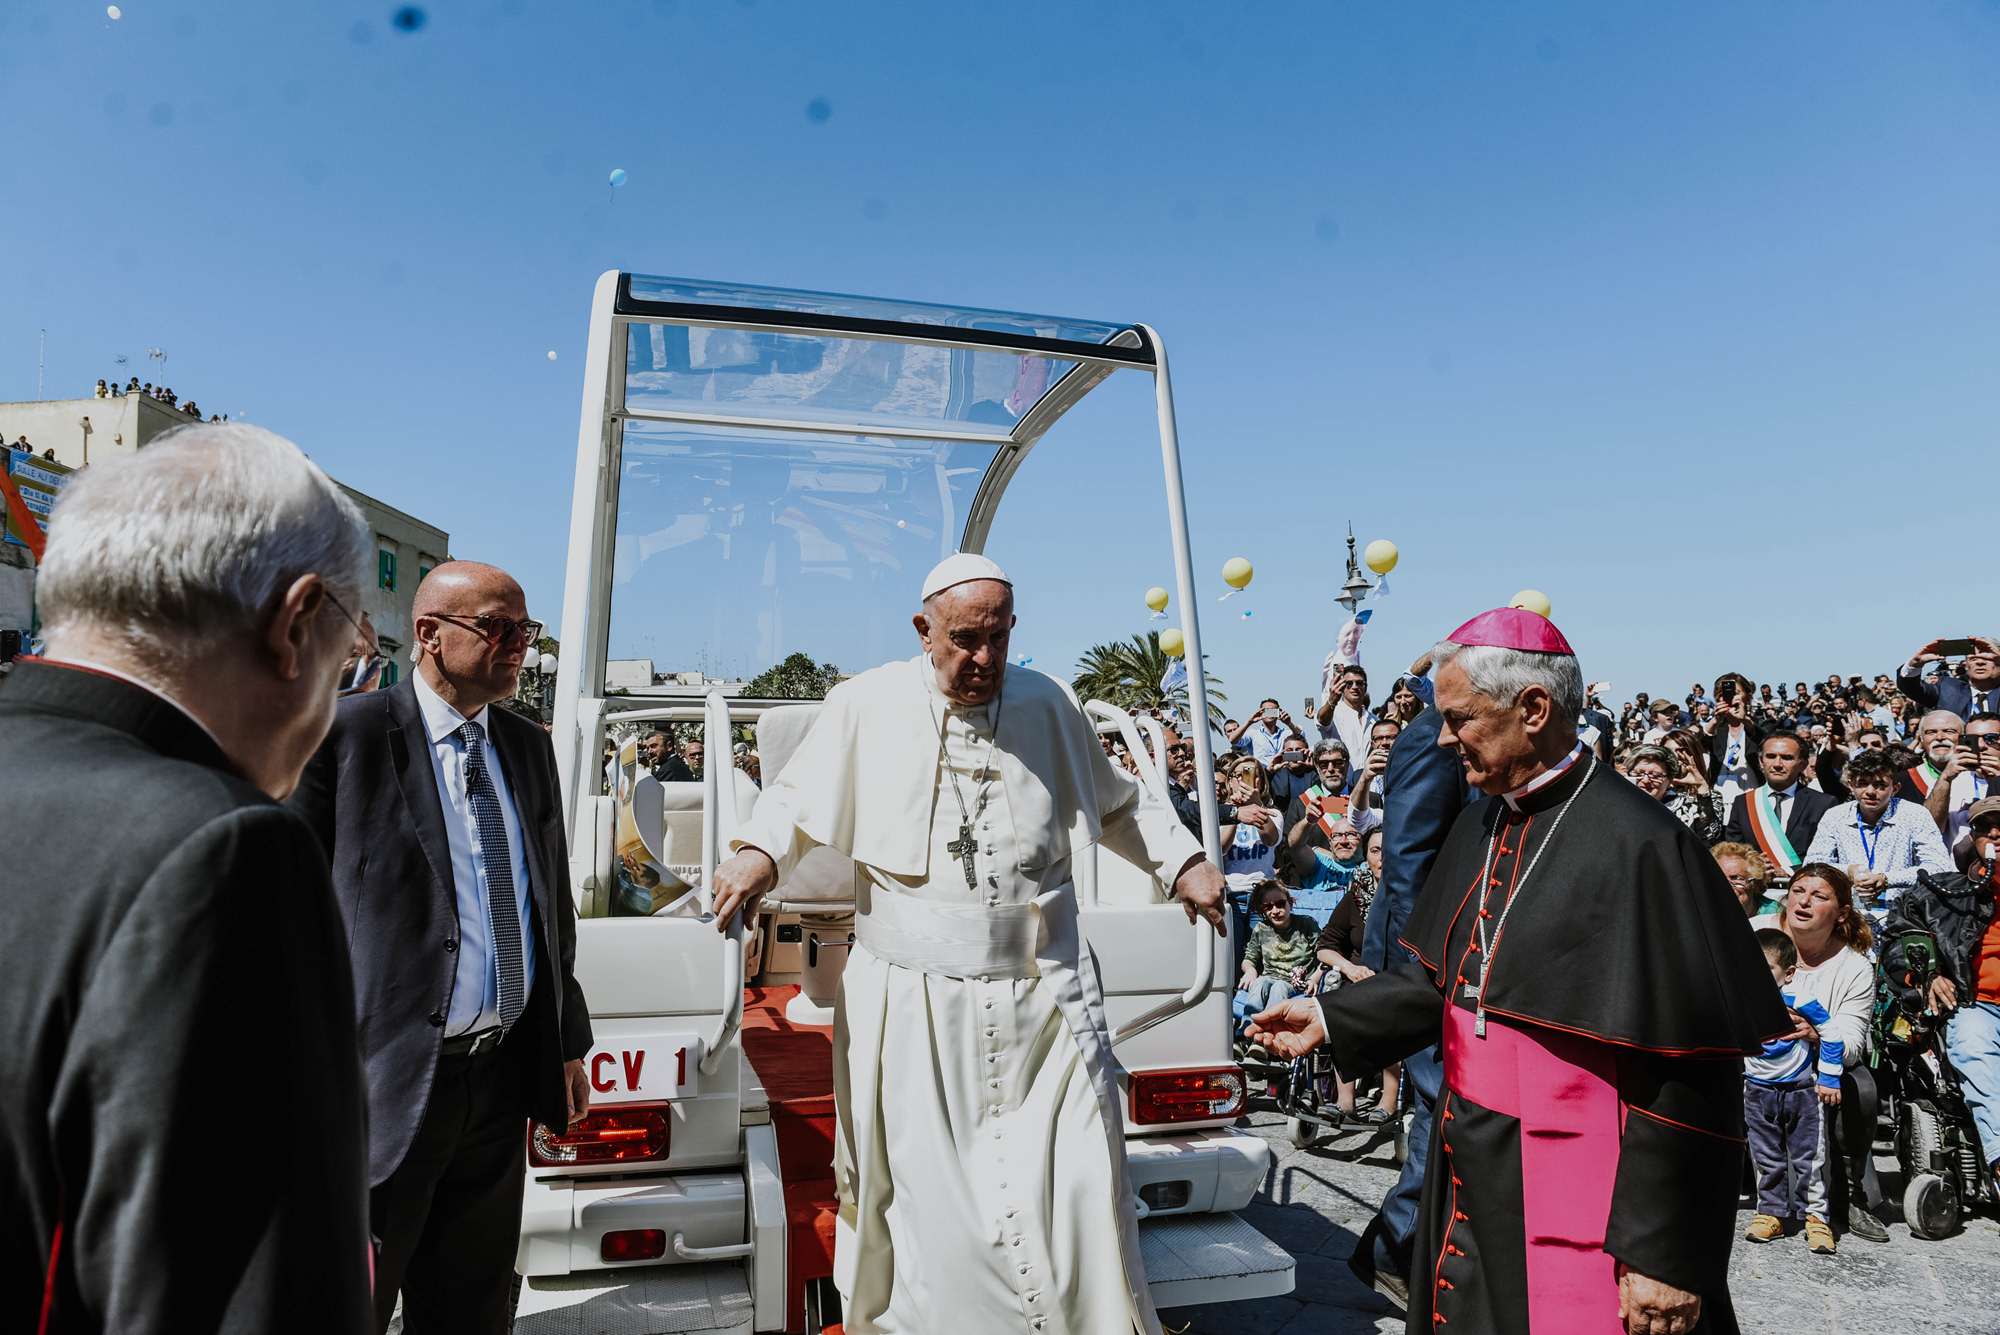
<point>1936,1139</point>
<point>1303,1090</point>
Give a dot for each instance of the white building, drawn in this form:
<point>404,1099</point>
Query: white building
<point>82,431</point>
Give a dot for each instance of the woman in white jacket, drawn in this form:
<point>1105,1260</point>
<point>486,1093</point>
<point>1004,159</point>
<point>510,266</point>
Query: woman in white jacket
<point>1833,938</point>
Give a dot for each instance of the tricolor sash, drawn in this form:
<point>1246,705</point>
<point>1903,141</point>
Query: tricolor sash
<point>1923,776</point>
<point>1769,834</point>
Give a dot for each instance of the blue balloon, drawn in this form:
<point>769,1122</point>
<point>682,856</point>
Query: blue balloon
<point>617,177</point>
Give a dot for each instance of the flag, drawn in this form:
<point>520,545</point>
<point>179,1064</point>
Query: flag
<point>1349,644</point>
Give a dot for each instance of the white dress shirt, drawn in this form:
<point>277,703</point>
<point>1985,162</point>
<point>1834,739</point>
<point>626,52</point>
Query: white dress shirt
<point>475,989</point>
<point>1904,842</point>
<point>1781,803</point>
<point>1350,727</point>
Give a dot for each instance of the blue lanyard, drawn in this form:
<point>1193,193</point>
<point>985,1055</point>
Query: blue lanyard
<point>1867,847</point>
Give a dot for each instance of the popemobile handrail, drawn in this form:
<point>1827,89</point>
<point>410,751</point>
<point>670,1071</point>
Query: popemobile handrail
<point>1153,777</point>
<point>1156,743</point>
<point>1149,773</point>
<point>715,733</point>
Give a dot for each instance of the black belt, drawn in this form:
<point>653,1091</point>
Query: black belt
<point>474,1045</point>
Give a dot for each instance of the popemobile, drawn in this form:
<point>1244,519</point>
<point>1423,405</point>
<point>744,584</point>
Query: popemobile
<point>760,471</point>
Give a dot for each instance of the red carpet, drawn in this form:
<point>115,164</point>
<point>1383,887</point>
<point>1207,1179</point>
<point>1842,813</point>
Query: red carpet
<point>795,1063</point>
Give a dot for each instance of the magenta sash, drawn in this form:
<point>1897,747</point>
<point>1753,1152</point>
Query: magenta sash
<point>1564,1093</point>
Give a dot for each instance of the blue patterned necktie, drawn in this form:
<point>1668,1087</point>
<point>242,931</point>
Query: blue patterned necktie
<point>499,863</point>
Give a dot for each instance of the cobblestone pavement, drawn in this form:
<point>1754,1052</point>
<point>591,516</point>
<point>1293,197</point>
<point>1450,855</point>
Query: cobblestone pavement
<point>1317,1200</point>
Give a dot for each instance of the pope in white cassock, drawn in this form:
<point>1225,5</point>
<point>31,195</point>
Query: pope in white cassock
<point>980,1157</point>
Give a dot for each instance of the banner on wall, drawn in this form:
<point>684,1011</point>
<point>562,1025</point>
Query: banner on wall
<point>28,491</point>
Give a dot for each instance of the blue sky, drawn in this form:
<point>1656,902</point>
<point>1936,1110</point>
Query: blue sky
<point>1687,315</point>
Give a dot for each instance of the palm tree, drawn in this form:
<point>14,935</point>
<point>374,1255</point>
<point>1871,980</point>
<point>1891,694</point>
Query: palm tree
<point>1127,673</point>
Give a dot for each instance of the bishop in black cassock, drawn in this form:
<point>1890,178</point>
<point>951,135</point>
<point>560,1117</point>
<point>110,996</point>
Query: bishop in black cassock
<point>1596,989</point>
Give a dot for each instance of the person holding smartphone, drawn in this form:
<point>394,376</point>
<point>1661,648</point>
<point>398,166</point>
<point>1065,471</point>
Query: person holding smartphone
<point>1978,693</point>
<point>1970,774</point>
<point>1734,740</point>
<point>1266,733</point>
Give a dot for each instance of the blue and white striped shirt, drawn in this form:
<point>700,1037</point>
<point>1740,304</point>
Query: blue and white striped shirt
<point>1785,1061</point>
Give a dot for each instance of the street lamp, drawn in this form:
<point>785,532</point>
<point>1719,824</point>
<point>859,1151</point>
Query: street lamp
<point>545,666</point>
<point>1357,586</point>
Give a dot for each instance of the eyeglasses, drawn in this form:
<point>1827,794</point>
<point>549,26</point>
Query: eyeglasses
<point>341,607</point>
<point>1985,738</point>
<point>1330,762</point>
<point>496,629</point>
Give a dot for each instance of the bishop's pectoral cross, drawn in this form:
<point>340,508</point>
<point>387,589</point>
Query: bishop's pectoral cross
<point>962,849</point>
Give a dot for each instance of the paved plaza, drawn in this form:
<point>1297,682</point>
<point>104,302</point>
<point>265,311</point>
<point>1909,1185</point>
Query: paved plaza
<point>1317,1200</point>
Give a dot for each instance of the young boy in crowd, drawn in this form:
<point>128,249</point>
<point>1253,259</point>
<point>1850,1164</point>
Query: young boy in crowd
<point>1280,952</point>
<point>1781,1109</point>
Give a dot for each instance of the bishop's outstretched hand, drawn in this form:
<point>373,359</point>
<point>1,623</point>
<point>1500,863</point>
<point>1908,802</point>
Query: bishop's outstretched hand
<point>1289,1029</point>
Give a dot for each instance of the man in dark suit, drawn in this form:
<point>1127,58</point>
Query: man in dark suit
<point>440,815</point>
<point>1426,790</point>
<point>1978,693</point>
<point>182,1145</point>
<point>1782,758</point>
<point>663,759</point>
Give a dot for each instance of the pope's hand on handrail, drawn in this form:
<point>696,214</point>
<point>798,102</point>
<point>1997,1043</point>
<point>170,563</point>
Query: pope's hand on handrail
<point>740,883</point>
<point>1202,891</point>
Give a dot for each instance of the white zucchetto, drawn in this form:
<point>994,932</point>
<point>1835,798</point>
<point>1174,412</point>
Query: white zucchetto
<point>958,568</point>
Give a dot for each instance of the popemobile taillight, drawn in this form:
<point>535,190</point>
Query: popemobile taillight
<point>620,1133</point>
<point>1201,1095</point>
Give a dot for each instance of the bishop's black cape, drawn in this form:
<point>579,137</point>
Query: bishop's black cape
<point>1628,946</point>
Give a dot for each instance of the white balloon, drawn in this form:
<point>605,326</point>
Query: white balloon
<point>114,13</point>
<point>552,354</point>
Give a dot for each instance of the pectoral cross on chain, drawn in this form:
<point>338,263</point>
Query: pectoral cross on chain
<point>962,849</point>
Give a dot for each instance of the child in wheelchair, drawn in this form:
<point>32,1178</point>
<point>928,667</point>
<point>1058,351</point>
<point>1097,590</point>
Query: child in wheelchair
<point>1278,953</point>
<point>1310,1091</point>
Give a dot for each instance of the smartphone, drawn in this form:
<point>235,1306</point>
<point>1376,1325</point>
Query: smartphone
<point>1956,648</point>
<point>1310,705</point>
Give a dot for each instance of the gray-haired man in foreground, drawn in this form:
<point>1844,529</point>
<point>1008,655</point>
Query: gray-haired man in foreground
<point>181,1126</point>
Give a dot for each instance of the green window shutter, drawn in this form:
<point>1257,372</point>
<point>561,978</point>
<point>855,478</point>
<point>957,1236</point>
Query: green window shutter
<point>385,568</point>
<point>391,671</point>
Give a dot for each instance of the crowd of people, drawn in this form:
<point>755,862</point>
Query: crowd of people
<point>108,389</point>
<point>1849,817</point>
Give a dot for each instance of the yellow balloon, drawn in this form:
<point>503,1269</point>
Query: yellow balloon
<point>1531,600</point>
<point>1380,556</point>
<point>1236,572</point>
<point>1171,643</point>
<point>1156,598</point>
